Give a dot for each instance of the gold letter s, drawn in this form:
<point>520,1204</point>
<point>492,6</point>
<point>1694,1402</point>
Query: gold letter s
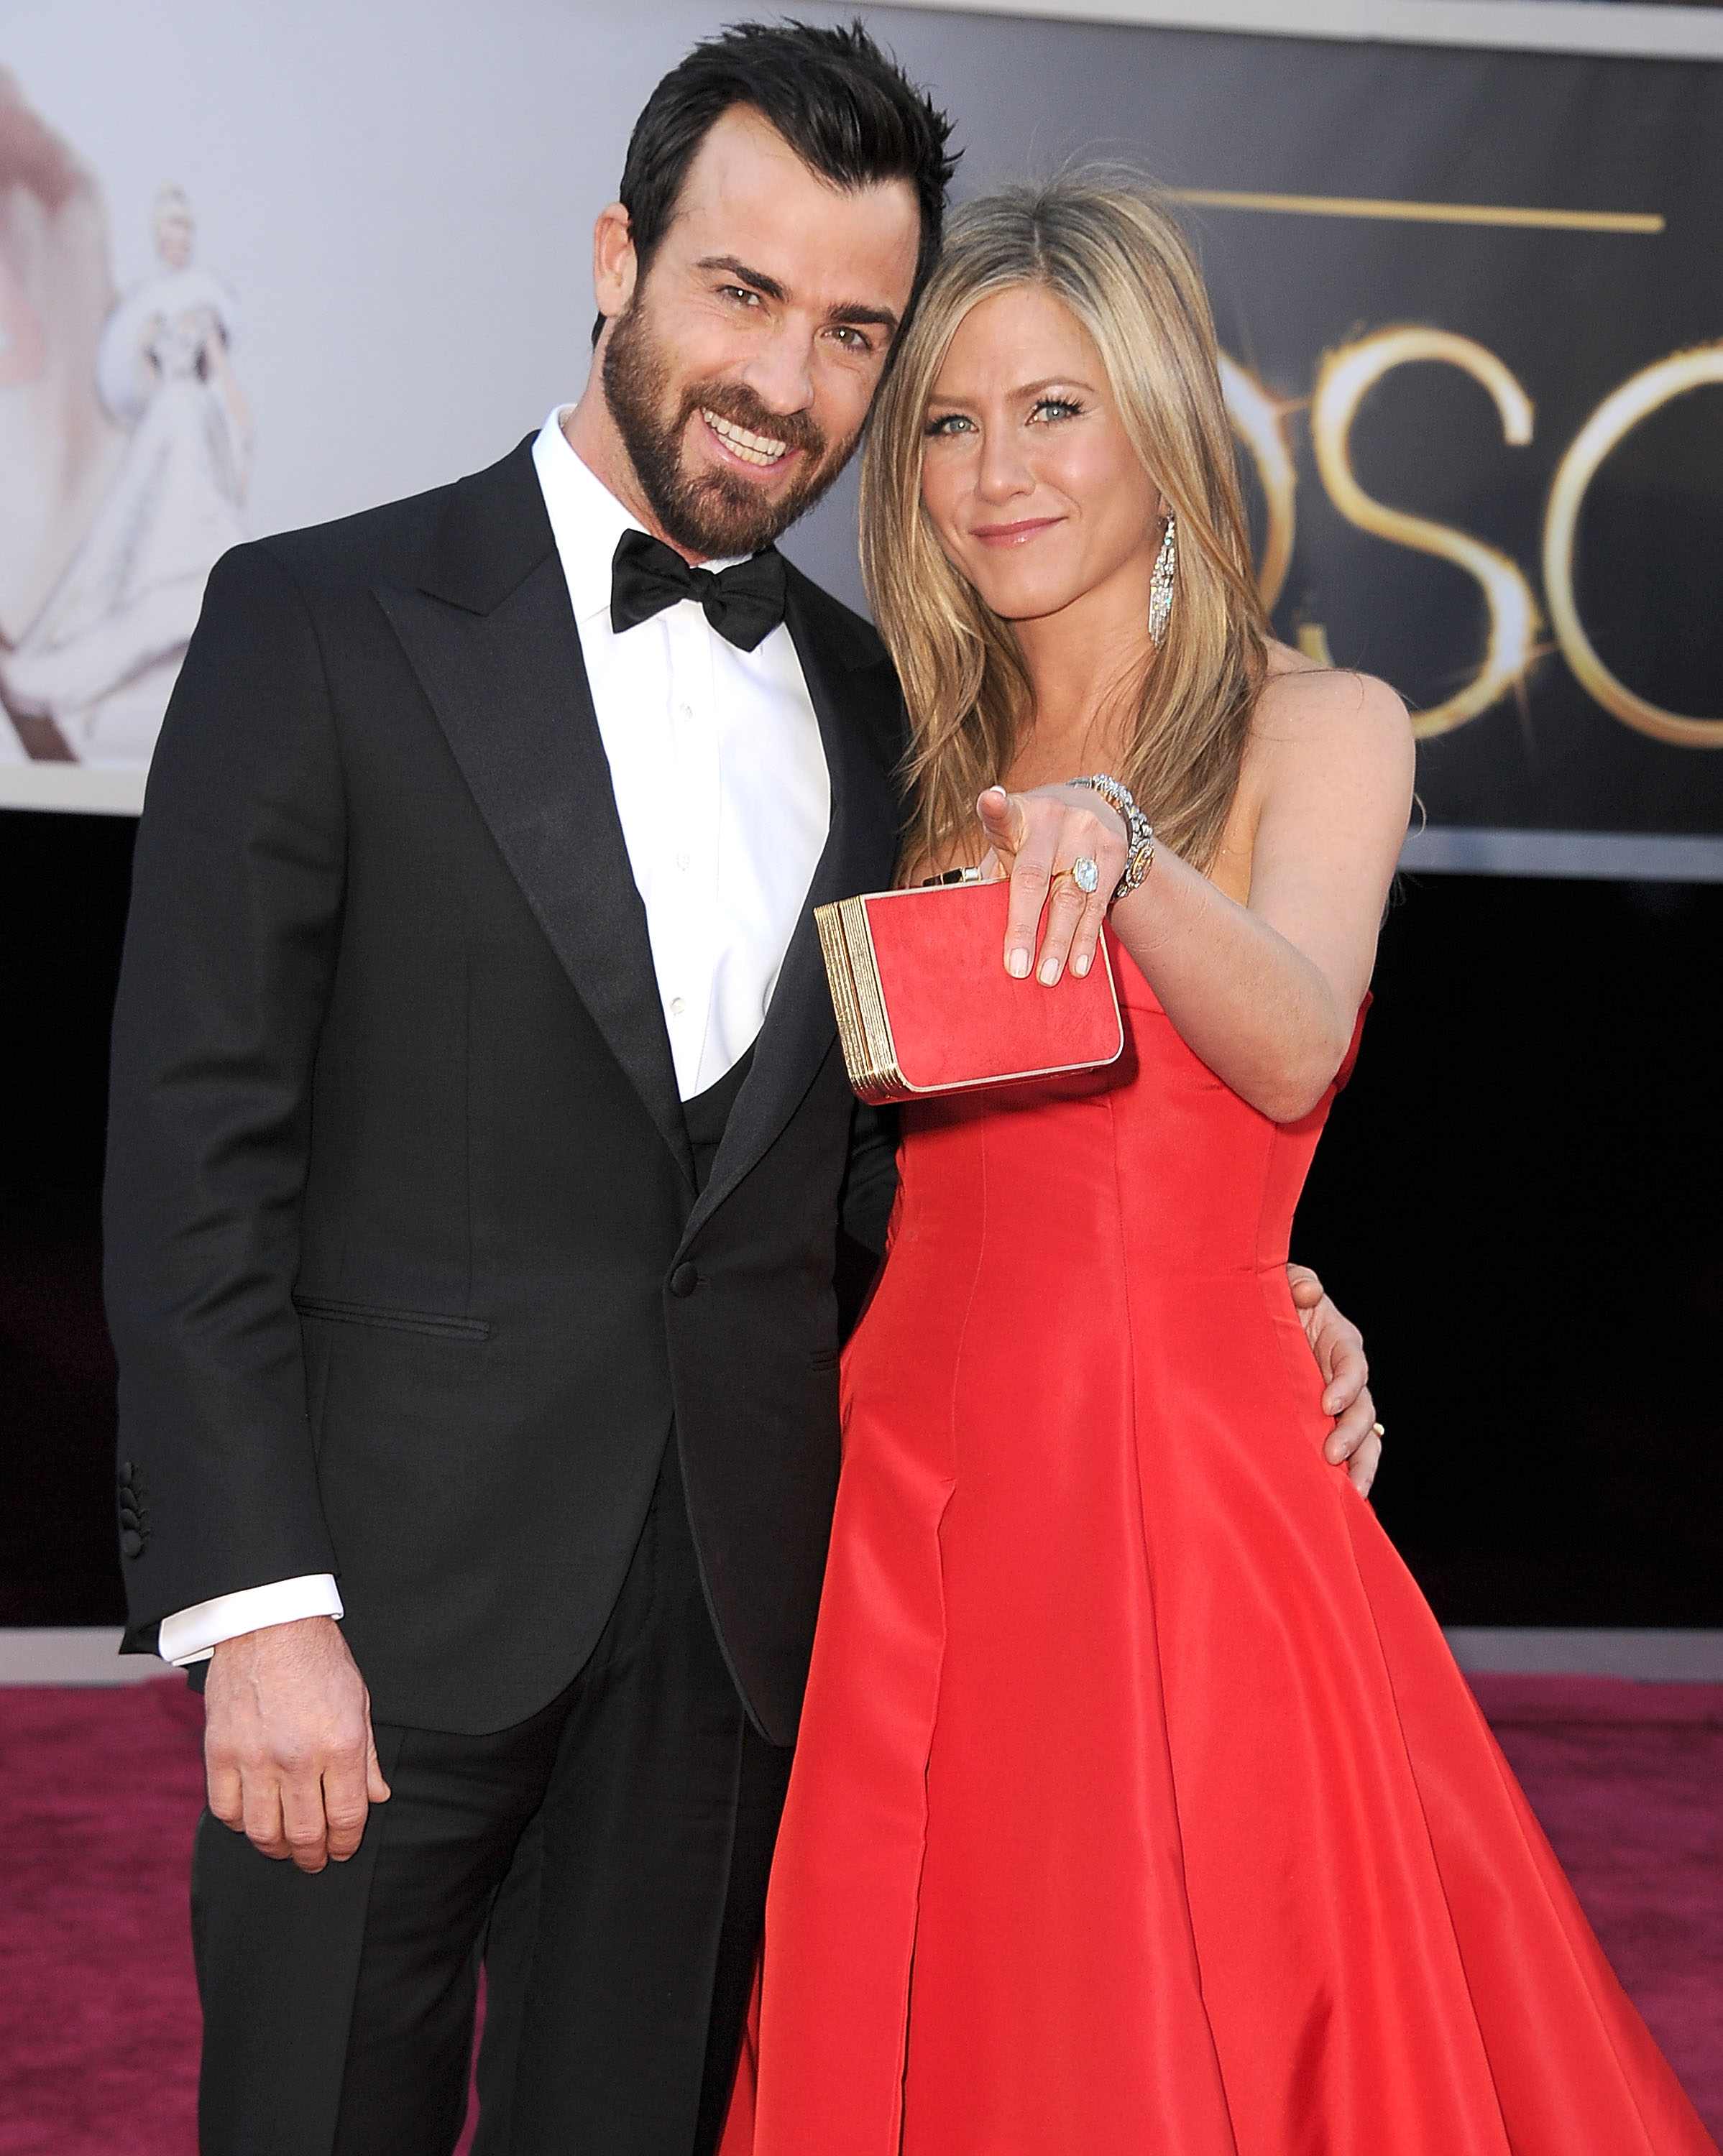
<point>1617,416</point>
<point>1342,381</point>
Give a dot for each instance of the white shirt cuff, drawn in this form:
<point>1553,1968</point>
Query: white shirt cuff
<point>193,1635</point>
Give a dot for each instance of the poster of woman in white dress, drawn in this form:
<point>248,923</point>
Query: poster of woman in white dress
<point>89,679</point>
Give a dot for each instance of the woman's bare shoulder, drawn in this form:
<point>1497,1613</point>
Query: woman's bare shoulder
<point>1303,704</point>
<point>1324,740</point>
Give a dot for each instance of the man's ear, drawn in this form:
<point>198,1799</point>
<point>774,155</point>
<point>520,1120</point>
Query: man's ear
<point>614,265</point>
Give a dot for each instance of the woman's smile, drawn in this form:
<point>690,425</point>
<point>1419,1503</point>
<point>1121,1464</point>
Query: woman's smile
<point>1013,535</point>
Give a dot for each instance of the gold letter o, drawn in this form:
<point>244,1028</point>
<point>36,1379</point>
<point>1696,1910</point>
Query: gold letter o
<point>1259,421</point>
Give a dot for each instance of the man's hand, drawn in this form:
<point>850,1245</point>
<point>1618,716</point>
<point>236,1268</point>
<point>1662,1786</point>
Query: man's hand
<point>287,1744</point>
<point>1355,1441</point>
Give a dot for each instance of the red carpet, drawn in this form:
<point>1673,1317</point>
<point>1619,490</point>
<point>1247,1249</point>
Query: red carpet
<point>99,1788</point>
<point>1628,1780</point>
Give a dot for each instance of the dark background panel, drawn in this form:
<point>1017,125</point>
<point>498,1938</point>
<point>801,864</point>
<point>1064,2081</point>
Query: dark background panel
<point>1517,1198</point>
<point>63,881</point>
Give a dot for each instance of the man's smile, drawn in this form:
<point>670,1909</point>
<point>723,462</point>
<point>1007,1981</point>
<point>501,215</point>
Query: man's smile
<point>760,450</point>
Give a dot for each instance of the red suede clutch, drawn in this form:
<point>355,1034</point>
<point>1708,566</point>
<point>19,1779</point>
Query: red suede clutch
<point>925,1005</point>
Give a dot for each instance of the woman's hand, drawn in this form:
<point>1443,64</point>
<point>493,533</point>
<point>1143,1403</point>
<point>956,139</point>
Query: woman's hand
<point>1035,837</point>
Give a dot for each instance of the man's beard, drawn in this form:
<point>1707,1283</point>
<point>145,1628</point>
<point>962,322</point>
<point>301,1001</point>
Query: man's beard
<point>710,513</point>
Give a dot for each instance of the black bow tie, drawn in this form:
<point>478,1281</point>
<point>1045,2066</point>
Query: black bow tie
<point>744,603</point>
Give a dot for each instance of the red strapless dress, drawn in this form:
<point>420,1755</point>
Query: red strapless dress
<point>1140,1809</point>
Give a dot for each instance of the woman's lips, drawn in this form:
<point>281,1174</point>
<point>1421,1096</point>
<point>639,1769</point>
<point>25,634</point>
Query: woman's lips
<point>1012,535</point>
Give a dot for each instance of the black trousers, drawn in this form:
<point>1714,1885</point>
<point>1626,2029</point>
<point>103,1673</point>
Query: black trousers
<point>605,1861</point>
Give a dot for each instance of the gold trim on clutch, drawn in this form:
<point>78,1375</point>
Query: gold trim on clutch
<point>885,1072</point>
<point>870,1053</point>
<point>835,952</point>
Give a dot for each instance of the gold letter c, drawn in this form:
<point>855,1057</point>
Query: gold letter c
<point>1616,417</point>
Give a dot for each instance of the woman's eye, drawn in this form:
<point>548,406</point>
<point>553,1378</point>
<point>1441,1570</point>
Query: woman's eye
<point>1056,408</point>
<point>949,424</point>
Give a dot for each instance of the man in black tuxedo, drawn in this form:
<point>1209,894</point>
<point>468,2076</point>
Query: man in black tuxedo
<point>481,1160</point>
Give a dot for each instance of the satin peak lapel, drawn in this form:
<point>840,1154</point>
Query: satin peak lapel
<point>855,697</point>
<point>508,686</point>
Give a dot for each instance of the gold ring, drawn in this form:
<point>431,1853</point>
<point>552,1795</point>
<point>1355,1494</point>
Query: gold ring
<point>1376,1430</point>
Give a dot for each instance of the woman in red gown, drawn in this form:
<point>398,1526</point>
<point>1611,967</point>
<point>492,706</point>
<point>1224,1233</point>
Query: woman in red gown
<point>1138,1809</point>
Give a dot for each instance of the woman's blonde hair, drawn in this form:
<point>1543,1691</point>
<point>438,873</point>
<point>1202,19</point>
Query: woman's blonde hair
<point>1120,264</point>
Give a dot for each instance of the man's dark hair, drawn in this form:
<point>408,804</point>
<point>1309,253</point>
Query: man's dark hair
<point>850,114</point>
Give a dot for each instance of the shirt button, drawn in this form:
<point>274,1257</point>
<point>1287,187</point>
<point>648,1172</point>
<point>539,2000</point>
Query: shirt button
<point>678,1004</point>
<point>685,710</point>
<point>685,861</point>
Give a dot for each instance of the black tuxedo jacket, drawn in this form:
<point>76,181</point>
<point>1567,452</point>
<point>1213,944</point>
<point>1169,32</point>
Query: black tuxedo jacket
<point>406,1265</point>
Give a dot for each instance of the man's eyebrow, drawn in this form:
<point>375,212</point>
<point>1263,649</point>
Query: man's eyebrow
<point>744,275</point>
<point>852,313</point>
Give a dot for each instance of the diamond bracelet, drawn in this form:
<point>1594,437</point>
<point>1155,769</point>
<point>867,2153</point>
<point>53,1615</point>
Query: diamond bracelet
<point>1139,832</point>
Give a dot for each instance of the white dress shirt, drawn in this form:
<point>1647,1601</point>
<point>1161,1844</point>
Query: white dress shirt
<point>724,799</point>
<point>719,776</point>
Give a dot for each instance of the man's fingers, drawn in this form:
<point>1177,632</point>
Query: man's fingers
<point>345,1795</point>
<point>1338,1346</point>
<point>1334,1341</point>
<point>1346,1369</point>
<point>291,1762</point>
<point>376,1788</point>
<point>1355,1442</point>
<point>262,1822</point>
<point>226,1791</point>
<point>300,1814</point>
<point>1365,1463</point>
<point>352,1784</point>
<point>1352,1429</point>
<point>304,1827</point>
<point>1307,1290</point>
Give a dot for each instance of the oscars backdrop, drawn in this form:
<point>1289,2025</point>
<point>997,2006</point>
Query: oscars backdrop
<point>255,272</point>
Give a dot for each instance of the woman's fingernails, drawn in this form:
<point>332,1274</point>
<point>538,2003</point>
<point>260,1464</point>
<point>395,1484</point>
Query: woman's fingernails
<point>1080,967</point>
<point>1017,964</point>
<point>1049,972</point>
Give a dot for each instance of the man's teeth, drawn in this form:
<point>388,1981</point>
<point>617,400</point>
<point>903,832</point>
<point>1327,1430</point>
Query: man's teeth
<point>752,448</point>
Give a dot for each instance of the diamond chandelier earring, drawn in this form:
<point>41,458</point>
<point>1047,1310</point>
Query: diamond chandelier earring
<point>1160,583</point>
